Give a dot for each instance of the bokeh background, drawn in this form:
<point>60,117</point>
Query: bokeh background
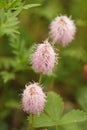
<point>69,78</point>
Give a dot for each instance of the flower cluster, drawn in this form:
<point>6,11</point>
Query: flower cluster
<point>62,29</point>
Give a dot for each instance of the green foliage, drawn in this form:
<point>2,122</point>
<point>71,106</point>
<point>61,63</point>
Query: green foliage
<point>12,104</point>
<point>82,97</point>
<point>77,53</point>
<point>30,6</point>
<point>21,53</point>
<point>56,111</point>
<point>8,16</point>
<point>71,126</point>
<point>8,23</point>
<point>73,117</point>
<point>6,62</point>
<point>44,120</point>
<point>20,61</point>
<point>80,11</point>
<point>53,113</point>
<point>3,126</point>
<point>19,29</point>
<point>6,76</point>
<point>10,4</point>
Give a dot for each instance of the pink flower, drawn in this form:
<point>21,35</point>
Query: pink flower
<point>62,29</point>
<point>44,58</point>
<point>33,99</point>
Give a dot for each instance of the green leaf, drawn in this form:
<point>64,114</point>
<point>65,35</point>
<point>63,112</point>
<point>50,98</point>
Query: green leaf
<point>7,76</point>
<point>7,62</point>
<point>54,106</point>
<point>8,23</point>
<point>73,117</point>
<point>82,97</point>
<point>30,6</point>
<point>22,54</point>
<point>53,111</point>
<point>10,4</point>
<point>71,126</point>
<point>42,120</point>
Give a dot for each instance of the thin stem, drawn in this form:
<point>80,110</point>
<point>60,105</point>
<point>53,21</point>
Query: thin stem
<point>32,121</point>
<point>40,78</point>
<point>56,127</point>
<point>52,84</point>
<point>28,127</point>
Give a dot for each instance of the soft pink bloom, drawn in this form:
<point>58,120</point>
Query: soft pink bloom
<point>44,58</point>
<point>62,29</point>
<point>33,99</point>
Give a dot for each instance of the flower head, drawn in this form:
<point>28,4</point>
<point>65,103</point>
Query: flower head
<point>33,99</point>
<point>62,29</point>
<point>44,58</point>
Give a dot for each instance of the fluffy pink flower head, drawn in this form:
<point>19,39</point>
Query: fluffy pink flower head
<point>44,58</point>
<point>33,99</point>
<point>62,29</point>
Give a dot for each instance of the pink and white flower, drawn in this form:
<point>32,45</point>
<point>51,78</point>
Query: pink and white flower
<point>62,30</point>
<point>44,58</point>
<point>33,99</point>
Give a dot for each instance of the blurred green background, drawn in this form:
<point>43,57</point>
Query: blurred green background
<point>70,76</point>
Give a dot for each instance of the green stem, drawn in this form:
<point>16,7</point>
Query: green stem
<point>52,84</point>
<point>32,121</point>
<point>40,78</point>
<point>56,127</point>
<point>27,127</point>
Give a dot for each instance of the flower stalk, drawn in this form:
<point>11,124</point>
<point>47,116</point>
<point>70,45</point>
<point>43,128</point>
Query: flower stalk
<point>40,78</point>
<point>32,121</point>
